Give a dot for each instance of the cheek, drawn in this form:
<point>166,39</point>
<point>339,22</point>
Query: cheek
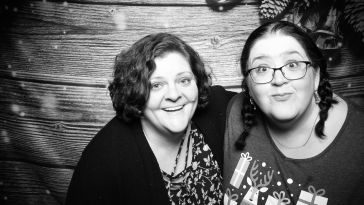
<point>191,93</point>
<point>306,87</point>
<point>259,94</point>
<point>154,100</point>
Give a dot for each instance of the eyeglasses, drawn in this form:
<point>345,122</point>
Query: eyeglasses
<point>291,71</point>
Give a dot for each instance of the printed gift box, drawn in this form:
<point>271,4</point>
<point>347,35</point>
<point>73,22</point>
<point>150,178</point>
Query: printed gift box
<point>312,197</point>
<point>277,199</point>
<point>240,170</point>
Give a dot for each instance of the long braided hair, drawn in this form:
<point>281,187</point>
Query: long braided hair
<point>249,109</point>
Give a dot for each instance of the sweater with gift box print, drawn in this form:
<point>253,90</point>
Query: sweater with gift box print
<point>261,174</point>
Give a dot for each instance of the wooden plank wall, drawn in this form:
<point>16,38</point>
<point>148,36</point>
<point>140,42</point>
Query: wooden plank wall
<point>55,63</point>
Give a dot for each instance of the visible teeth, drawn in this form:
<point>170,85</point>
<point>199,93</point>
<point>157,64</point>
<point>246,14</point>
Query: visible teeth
<point>173,108</point>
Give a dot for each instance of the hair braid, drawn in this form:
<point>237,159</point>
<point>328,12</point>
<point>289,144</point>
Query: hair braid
<point>249,118</point>
<point>326,101</point>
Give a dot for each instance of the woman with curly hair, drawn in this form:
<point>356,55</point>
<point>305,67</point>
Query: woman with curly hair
<point>165,144</point>
<point>289,139</point>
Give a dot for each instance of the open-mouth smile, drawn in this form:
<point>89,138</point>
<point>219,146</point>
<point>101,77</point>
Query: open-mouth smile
<point>173,109</point>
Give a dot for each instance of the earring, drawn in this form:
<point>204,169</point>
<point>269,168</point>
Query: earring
<point>252,103</point>
<point>317,97</point>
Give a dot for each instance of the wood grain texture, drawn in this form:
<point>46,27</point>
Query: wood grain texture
<point>56,61</point>
<point>50,124</point>
<point>153,2</point>
<point>85,38</point>
<point>31,184</point>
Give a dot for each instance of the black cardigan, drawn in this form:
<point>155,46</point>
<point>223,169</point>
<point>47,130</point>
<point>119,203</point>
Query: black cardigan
<point>119,167</point>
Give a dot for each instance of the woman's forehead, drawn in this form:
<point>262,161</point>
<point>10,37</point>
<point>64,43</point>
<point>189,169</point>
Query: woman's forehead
<point>275,46</point>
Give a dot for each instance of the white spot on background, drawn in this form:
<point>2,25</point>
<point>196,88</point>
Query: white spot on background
<point>5,136</point>
<point>120,20</point>
<point>15,108</point>
<point>4,133</point>
<point>6,140</point>
<point>289,181</point>
<point>264,164</point>
<point>279,183</point>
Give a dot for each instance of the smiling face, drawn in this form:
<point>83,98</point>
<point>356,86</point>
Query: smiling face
<point>281,99</point>
<point>173,95</point>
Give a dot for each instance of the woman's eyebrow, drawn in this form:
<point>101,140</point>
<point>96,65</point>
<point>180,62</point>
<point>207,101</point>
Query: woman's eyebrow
<point>291,52</point>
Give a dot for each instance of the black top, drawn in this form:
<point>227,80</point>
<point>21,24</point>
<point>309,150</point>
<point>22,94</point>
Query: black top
<point>119,167</point>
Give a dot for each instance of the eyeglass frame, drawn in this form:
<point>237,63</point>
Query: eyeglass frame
<point>280,68</point>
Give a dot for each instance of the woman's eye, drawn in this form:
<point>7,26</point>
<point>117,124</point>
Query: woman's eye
<point>261,69</point>
<point>156,86</point>
<point>186,81</point>
<point>292,65</point>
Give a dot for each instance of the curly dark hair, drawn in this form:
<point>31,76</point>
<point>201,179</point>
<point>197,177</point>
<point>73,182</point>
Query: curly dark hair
<point>129,89</point>
<point>315,55</point>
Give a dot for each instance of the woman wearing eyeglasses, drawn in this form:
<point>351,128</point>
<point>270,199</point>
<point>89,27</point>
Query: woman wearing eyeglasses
<point>289,139</point>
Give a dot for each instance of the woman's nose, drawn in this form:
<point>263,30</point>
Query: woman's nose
<point>173,92</point>
<point>278,78</point>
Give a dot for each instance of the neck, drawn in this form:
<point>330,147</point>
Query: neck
<point>295,133</point>
<point>161,138</point>
<point>168,148</point>
<point>302,121</point>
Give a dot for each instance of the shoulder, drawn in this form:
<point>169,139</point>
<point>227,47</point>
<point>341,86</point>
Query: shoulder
<point>354,115</point>
<point>114,137</point>
<point>355,118</point>
<point>219,93</point>
<point>219,98</point>
<point>235,106</point>
<point>351,133</point>
<point>115,127</point>
<point>234,120</point>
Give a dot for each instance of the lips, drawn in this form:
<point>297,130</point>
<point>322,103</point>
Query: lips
<point>281,96</point>
<point>173,109</point>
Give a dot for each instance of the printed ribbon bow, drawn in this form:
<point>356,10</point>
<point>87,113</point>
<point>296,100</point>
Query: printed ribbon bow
<point>281,197</point>
<point>313,191</point>
<point>246,156</point>
<point>231,196</point>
